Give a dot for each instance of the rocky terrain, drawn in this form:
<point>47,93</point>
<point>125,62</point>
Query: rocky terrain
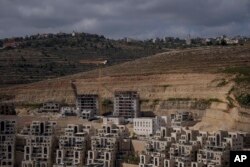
<point>208,81</point>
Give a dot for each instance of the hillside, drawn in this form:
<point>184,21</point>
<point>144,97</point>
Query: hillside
<point>38,58</point>
<point>212,82</point>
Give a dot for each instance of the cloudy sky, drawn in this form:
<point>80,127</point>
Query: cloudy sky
<point>126,18</point>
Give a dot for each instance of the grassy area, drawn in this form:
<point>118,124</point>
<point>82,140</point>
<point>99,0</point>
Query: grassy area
<point>243,73</point>
<point>244,100</point>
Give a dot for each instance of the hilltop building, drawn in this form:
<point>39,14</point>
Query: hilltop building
<point>126,104</point>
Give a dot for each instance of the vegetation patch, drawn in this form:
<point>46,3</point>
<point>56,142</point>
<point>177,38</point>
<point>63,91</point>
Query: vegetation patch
<point>179,99</point>
<point>223,82</point>
<point>244,100</point>
<point>31,105</point>
<point>243,73</point>
<point>132,159</point>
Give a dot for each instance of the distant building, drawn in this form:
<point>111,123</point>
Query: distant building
<point>7,109</point>
<point>126,104</point>
<point>113,120</point>
<point>68,111</point>
<point>87,105</point>
<point>182,118</point>
<point>50,106</point>
<point>7,142</point>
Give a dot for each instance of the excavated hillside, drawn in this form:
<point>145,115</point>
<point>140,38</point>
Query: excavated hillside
<point>196,80</point>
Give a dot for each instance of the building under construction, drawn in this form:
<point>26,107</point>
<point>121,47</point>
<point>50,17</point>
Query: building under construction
<point>87,105</point>
<point>126,104</point>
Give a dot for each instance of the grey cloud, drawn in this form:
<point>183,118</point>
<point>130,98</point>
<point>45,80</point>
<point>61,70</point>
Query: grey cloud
<point>120,18</point>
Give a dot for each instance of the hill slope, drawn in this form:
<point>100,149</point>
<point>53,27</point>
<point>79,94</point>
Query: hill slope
<point>201,80</point>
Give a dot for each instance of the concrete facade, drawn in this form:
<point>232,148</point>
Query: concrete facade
<point>39,144</point>
<point>72,146</point>
<point>148,126</point>
<point>87,105</point>
<point>7,143</point>
<point>109,146</point>
<point>126,104</point>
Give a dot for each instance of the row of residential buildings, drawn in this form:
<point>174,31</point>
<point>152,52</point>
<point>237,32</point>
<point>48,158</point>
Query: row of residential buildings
<point>126,104</point>
<point>108,146</point>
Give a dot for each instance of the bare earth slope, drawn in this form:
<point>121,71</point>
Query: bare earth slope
<point>166,82</point>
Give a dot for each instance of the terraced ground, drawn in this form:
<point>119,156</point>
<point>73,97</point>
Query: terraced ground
<point>211,75</point>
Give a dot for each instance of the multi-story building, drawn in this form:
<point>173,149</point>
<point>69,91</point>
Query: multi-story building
<point>68,111</point>
<point>126,104</point>
<point>39,144</point>
<point>109,146</point>
<point>72,146</point>
<point>148,126</point>
<point>181,147</point>
<point>7,109</point>
<point>113,120</point>
<point>182,119</point>
<point>50,106</point>
<point>7,142</point>
<point>87,105</point>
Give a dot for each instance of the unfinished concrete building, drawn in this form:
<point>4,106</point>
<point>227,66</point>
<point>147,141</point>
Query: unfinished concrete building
<point>109,146</point>
<point>7,109</point>
<point>72,146</point>
<point>182,119</point>
<point>126,104</point>
<point>87,105</point>
<point>7,142</point>
<point>39,144</point>
<point>50,106</point>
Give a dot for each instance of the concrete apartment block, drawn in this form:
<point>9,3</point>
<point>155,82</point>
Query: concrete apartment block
<point>113,120</point>
<point>183,147</point>
<point>72,146</point>
<point>68,111</point>
<point>109,146</point>
<point>87,105</point>
<point>7,142</point>
<point>126,104</point>
<point>50,106</point>
<point>182,119</point>
<point>39,144</point>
